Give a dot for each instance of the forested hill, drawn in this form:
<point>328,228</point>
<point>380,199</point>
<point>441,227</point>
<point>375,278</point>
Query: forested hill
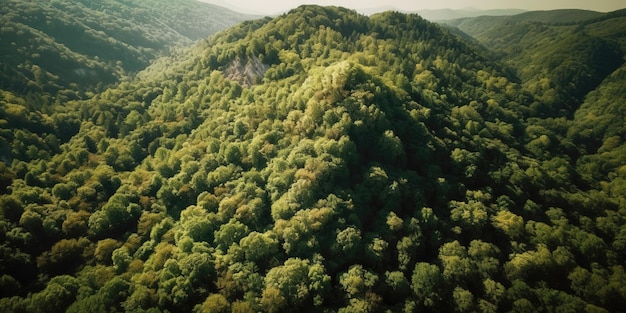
<point>560,55</point>
<point>71,46</point>
<point>319,161</point>
<point>450,14</point>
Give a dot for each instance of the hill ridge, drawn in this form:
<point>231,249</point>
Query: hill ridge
<point>60,37</point>
<point>378,163</point>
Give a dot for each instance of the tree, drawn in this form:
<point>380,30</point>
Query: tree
<point>357,281</point>
<point>64,256</point>
<point>463,300</point>
<point>121,259</point>
<point>11,208</point>
<point>197,223</point>
<point>272,300</point>
<point>397,286</point>
<point>511,224</point>
<point>214,303</point>
<point>230,233</point>
<point>298,282</point>
<point>59,293</point>
<point>471,215</point>
<point>118,213</point>
<point>104,250</point>
<point>457,266</point>
<point>259,246</point>
<point>529,263</point>
<point>427,282</point>
<point>141,298</point>
<point>484,257</point>
<point>303,233</point>
<point>348,242</point>
<point>76,224</point>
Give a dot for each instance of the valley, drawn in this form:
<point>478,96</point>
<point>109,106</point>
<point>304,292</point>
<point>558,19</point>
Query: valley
<point>319,160</point>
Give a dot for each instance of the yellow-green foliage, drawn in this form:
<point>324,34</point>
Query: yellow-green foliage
<point>373,164</point>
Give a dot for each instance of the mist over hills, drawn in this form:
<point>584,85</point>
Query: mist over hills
<point>449,14</point>
<point>322,160</point>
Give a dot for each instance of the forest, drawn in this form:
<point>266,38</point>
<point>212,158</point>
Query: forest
<point>65,50</point>
<point>317,161</point>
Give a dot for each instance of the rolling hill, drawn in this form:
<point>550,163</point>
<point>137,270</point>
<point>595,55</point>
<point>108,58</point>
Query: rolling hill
<point>449,14</point>
<point>70,47</point>
<point>324,160</point>
<point>560,55</point>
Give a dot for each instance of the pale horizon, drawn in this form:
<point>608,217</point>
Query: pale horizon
<point>273,7</point>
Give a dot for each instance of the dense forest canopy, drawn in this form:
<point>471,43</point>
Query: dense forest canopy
<point>65,48</point>
<point>328,161</point>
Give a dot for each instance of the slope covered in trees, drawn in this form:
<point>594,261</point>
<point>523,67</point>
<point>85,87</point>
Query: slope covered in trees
<point>55,51</point>
<point>560,55</point>
<point>319,161</point>
<point>70,47</point>
<point>450,14</point>
<point>576,67</point>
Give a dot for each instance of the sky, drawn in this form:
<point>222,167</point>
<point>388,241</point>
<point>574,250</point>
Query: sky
<point>272,7</point>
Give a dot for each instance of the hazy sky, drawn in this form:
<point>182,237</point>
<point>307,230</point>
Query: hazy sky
<point>270,7</point>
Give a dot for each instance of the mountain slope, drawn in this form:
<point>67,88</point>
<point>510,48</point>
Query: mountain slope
<point>449,14</point>
<point>73,46</point>
<point>559,55</point>
<point>481,24</point>
<point>318,161</point>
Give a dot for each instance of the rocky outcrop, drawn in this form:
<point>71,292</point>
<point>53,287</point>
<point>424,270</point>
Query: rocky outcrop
<point>246,71</point>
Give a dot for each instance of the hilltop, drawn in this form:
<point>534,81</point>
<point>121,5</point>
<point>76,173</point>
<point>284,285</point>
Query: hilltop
<point>324,160</point>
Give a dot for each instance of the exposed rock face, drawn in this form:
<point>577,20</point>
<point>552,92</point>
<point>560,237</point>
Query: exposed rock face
<point>245,71</point>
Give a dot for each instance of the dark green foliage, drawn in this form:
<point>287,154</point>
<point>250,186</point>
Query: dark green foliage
<point>53,52</point>
<point>64,48</point>
<point>324,161</point>
<point>560,55</point>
